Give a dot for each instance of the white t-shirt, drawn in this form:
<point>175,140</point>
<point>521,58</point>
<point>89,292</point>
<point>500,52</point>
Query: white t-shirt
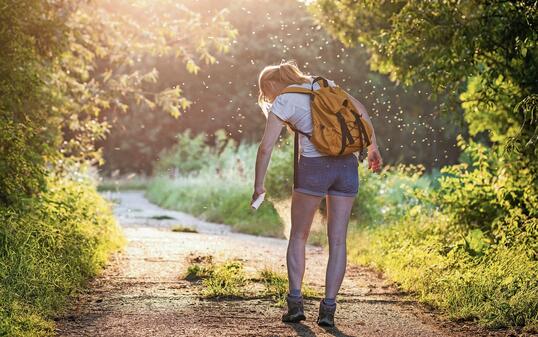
<point>295,109</point>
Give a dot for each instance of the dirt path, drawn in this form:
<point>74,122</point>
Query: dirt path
<point>142,293</point>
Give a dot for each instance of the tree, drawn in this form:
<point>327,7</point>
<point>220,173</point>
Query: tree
<point>483,56</point>
<point>483,53</point>
<point>224,94</point>
<point>65,63</point>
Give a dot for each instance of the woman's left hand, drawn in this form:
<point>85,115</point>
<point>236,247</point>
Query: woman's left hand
<point>257,192</point>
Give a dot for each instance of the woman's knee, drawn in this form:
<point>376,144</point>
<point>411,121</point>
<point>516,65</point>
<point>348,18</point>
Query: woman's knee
<point>299,237</point>
<point>337,240</point>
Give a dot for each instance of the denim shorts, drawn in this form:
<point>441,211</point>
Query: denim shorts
<point>328,175</point>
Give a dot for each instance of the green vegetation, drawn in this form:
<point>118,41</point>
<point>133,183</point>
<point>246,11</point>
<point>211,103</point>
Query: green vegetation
<point>463,238</point>
<point>183,229</point>
<point>276,286</point>
<point>268,31</point>
<point>49,246</point>
<point>450,270</point>
<point>228,279</point>
<point>67,69</point>
<point>423,230</point>
<point>219,280</point>
<point>470,245</point>
<point>214,183</point>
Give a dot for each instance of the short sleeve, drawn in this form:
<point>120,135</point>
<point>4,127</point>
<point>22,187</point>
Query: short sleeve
<point>280,108</point>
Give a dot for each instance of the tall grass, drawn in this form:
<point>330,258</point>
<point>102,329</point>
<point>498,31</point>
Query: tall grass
<point>423,254</point>
<point>219,189</point>
<point>49,246</point>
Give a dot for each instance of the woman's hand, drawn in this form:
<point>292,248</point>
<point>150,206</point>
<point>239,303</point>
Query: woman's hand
<point>257,192</point>
<point>375,162</point>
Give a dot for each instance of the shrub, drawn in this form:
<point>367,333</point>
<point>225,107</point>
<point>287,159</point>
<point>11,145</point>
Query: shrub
<point>489,192</point>
<point>49,246</point>
<point>456,271</point>
<point>220,191</point>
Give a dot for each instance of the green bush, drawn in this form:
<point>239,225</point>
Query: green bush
<point>49,246</point>
<point>387,196</point>
<point>495,194</point>
<point>218,191</point>
<point>279,179</point>
<point>449,269</point>
<point>469,244</point>
<point>189,154</point>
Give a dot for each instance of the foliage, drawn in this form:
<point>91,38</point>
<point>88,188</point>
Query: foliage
<point>279,179</point>
<point>223,94</point>
<point>49,246</point>
<point>481,194</point>
<point>483,55</point>
<point>230,169</point>
<point>448,268</point>
<point>191,154</point>
<point>483,58</point>
<point>30,38</point>
<point>388,196</point>
<point>64,64</point>
<point>276,286</point>
<point>223,279</point>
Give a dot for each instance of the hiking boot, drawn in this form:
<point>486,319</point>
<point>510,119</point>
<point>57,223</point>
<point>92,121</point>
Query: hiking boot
<point>295,310</point>
<point>326,314</point>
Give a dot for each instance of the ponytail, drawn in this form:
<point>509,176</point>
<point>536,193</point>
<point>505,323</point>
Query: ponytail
<point>286,73</point>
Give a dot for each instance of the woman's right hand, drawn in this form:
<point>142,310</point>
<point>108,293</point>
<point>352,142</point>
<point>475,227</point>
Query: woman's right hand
<point>375,162</point>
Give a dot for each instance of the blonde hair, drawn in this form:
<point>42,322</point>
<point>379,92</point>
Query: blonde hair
<point>286,72</point>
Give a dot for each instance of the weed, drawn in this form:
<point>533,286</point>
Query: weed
<point>219,280</point>
<point>276,286</point>
<point>184,229</point>
<point>49,246</point>
<point>225,280</point>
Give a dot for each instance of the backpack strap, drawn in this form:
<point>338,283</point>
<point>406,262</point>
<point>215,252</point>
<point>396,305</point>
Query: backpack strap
<point>295,158</point>
<point>324,82</point>
<point>295,149</point>
<point>297,90</point>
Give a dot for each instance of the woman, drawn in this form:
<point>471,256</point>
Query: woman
<point>319,176</point>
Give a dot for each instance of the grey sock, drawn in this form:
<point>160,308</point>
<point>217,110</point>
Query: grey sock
<point>329,301</point>
<point>295,293</point>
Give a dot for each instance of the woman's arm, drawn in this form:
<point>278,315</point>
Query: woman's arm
<point>362,110</point>
<point>270,136</point>
<point>374,157</point>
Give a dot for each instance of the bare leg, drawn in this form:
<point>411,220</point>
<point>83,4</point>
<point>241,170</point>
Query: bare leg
<point>338,212</point>
<point>303,208</point>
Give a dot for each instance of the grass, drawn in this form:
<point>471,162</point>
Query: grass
<point>223,201</point>
<point>395,226</point>
<point>124,183</point>
<point>183,229</point>
<point>49,246</point>
<point>276,286</point>
<point>219,280</point>
<point>422,255</point>
<point>228,279</point>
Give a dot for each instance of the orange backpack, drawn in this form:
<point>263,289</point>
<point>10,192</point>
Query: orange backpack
<point>337,127</point>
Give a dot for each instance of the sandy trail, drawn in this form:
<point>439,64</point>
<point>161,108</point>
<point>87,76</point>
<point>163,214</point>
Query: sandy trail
<point>142,293</point>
